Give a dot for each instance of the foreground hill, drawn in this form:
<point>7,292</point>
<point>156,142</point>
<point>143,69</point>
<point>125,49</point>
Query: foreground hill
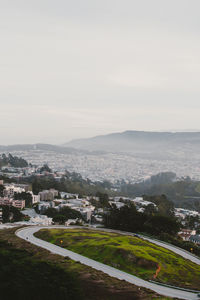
<point>130,254</point>
<point>30,272</point>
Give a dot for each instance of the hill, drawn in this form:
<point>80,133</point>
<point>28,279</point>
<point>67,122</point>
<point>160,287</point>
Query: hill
<point>39,147</point>
<point>142,142</point>
<point>130,254</point>
<point>12,161</point>
<point>43,275</point>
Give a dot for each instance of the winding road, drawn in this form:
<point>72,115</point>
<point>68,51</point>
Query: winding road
<point>28,234</point>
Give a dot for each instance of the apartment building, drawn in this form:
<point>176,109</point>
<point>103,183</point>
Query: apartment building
<point>20,204</point>
<point>10,202</point>
<point>48,195</point>
<point>11,189</point>
<point>5,201</point>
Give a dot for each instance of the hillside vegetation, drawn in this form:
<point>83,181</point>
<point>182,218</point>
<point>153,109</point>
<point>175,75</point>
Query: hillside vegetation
<point>12,161</point>
<point>30,272</point>
<point>130,254</point>
<point>26,277</point>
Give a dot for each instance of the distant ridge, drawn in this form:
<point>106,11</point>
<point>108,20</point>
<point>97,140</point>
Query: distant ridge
<point>139,141</point>
<point>141,144</point>
<point>41,147</point>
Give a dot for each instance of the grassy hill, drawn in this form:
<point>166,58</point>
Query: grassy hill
<point>130,254</point>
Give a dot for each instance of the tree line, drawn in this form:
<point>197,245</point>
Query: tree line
<point>127,218</point>
<point>64,214</point>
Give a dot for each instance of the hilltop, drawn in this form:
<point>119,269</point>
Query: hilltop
<point>12,161</point>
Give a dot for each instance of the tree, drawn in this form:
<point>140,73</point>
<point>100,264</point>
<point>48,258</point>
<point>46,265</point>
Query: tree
<point>24,196</point>
<point>11,213</point>
<point>127,218</point>
<point>192,222</point>
<point>165,207</point>
<point>103,199</point>
<point>60,219</point>
<point>17,215</point>
<point>45,168</point>
<point>1,190</point>
<point>37,186</point>
<point>70,213</point>
<point>161,224</point>
<point>150,209</point>
<point>6,214</point>
<point>65,212</point>
<point>51,212</point>
<point>13,161</point>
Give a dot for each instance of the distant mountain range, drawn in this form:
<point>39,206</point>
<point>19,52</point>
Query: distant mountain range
<point>142,142</point>
<point>45,148</point>
<point>148,145</point>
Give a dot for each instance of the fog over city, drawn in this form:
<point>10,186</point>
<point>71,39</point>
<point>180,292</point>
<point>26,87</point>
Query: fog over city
<point>76,69</point>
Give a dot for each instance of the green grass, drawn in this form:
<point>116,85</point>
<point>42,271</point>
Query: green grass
<point>130,254</point>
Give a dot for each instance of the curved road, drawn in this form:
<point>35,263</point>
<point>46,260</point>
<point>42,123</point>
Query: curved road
<point>27,234</point>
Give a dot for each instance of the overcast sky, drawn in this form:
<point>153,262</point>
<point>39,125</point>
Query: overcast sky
<point>78,68</point>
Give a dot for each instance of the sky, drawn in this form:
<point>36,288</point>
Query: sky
<point>75,69</point>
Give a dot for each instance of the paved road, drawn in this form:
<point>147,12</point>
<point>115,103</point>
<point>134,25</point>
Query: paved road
<point>27,234</point>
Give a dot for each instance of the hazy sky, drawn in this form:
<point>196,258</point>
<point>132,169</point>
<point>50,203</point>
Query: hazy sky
<point>78,68</point>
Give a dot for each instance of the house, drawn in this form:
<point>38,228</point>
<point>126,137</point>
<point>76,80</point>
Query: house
<point>71,222</point>
<point>185,234</point>
<point>18,203</point>
<point>65,195</point>
<point>98,218</point>
<point>42,206</point>
<point>41,220</point>
<point>11,202</point>
<point>11,189</point>
<point>5,201</point>
<point>195,239</point>
<point>35,198</point>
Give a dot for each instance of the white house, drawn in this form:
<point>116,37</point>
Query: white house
<point>41,220</point>
<point>71,222</point>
